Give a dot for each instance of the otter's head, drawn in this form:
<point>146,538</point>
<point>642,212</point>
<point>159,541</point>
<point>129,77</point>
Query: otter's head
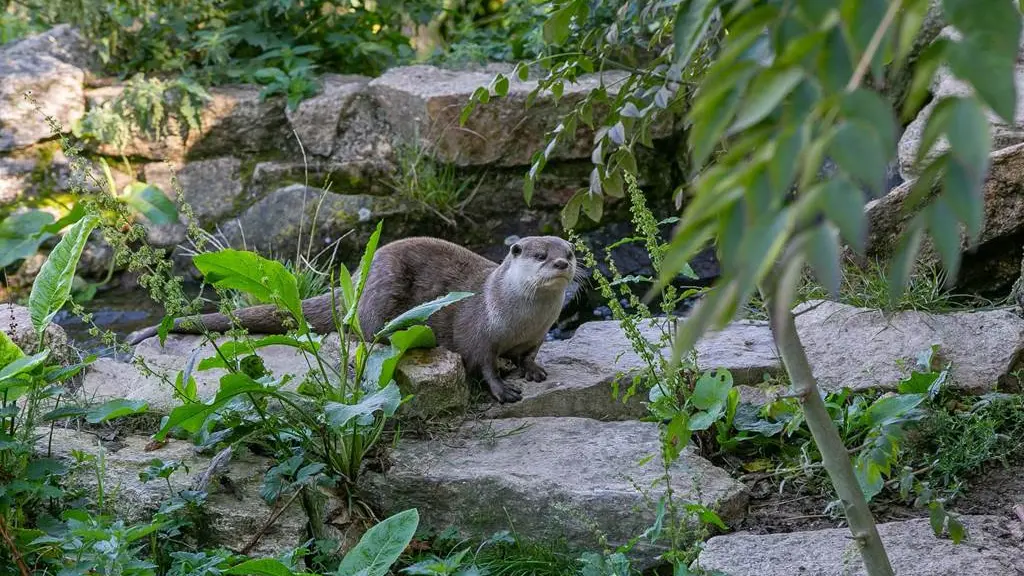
<point>541,263</point>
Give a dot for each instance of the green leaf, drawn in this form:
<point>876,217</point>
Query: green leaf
<point>691,24</point>
<point>364,272</point>
<point>9,351</point>
<point>712,389</point>
<point>421,313</point>
<point>962,188</point>
<point>234,348</point>
<point>945,232</point>
<point>381,365</point>
<point>969,136</point>
<point>22,234</point>
<point>927,64</point>
<point>501,85</point>
<point>262,567</point>
<point>704,419</point>
<point>115,409</point>
<point>843,204</point>
<point>381,545</point>
<point>556,27</point>
<point>386,400</point>
<point>571,211</point>
<point>957,532</point>
<point>891,409</point>
<point>764,95</point>
<point>823,255</point>
<point>268,281</point>
<point>903,261</point>
<point>151,202</point>
<point>858,151</point>
<point>52,287</point>
<point>593,206</point>
<point>22,365</point>
<point>870,108</point>
<point>987,54</point>
<point>191,416</point>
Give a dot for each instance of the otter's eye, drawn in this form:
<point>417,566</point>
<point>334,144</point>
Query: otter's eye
<point>517,249</point>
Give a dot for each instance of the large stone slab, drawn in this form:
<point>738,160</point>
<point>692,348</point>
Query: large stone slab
<point>994,262</point>
<point>552,478</point>
<point>861,349</point>
<point>213,188</point>
<point>912,548</point>
<point>55,86</point>
<point>435,377</point>
<point>234,516</point>
<point>425,102</point>
<point>583,369</point>
<point>316,119</point>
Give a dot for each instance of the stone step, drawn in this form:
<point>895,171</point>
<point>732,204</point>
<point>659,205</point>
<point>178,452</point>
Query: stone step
<point>551,478</point>
<point>234,515</point>
<point>991,549</point>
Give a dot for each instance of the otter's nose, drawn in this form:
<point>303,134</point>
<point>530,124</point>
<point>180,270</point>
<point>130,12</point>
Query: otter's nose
<point>561,264</point>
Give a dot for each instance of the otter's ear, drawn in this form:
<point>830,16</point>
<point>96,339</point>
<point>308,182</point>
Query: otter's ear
<point>516,250</point>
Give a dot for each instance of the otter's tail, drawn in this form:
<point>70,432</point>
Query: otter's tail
<point>263,319</point>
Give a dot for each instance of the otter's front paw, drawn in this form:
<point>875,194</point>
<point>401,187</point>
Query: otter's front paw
<point>504,392</point>
<point>532,371</point>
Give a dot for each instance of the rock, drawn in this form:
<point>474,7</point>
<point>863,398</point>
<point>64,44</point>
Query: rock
<point>63,42</point>
<point>16,322</point>
<point>863,349</point>
<point>994,263</point>
<point>234,122</point>
<point>437,380</point>
<point>338,177</point>
<point>55,87</point>
<point>582,369</point>
<point>945,84</point>
<point>553,479</point>
<point>435,376</point>
<point>213,188</point>
<point>233,517</point>
<point>911,545</point>
<point>425,102</point>
<point>316,119</point>
<point>274,224</point>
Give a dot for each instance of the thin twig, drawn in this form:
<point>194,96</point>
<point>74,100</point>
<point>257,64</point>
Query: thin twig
<point>270,522</point>
<point>869,52</point>
<point>22,567</point>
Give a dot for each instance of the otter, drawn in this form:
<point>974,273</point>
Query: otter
<point>514,303</point>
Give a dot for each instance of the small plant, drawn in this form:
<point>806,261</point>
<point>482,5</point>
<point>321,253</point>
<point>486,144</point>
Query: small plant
<point>431,185</point>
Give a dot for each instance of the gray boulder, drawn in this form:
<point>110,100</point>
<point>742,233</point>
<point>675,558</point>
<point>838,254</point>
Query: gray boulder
<point>993,264</point>
<point>16,322</point>
<point>912,548</point>
<point>213,188</point>
<point>55,87</point>
<point>233,516</point>
<point>945,84</point>
<point>550,478</point>
<point>425,102</point>
<point>863,349</point>
<point>63,42</point>
<point>316,120</point>
<point>583,369</point>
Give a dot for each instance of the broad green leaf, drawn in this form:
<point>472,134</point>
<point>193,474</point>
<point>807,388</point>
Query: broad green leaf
<point>151,202</point>
<point>191,416</point>
<point>957,531</point>
<point>268,281</point>
<point>712,389</point>
<point>115,409</point>
<point>234,348</point>
<point>593,206</point>
<point>857,149</point>
<point>691,24</point>
<point>52,287</point>
<point>890,409</point>
<point>962,188</point>
<point>63,413</point>
<point>862,19</point>
<point>945,232</point>
<point>22,234</point>
<point>381,365</point>
<point>364,272</point>
<point>764,95</point>
<point>556,27</point>
<point>870,108</point>
<point>260,566</point>
<point>903,261</point>
<point>869,476</point>
<point>386,400</point>
<point>421,313</point>
<point>381,545</point>
<point>705,418</point>
<point>927,64</point>
<point>709,125</point>
<point>910,20</point>
<point>501,85</point>
<point>823,256</point>
<point>166,325</point>
<point>969,136</point>
<point>10,374</point>
<point>987,54</point>
<point>9,351</point>
<point>843,204</point>
<point>835,62</point>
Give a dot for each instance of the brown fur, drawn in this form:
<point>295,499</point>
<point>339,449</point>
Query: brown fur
<point>514,304</point>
